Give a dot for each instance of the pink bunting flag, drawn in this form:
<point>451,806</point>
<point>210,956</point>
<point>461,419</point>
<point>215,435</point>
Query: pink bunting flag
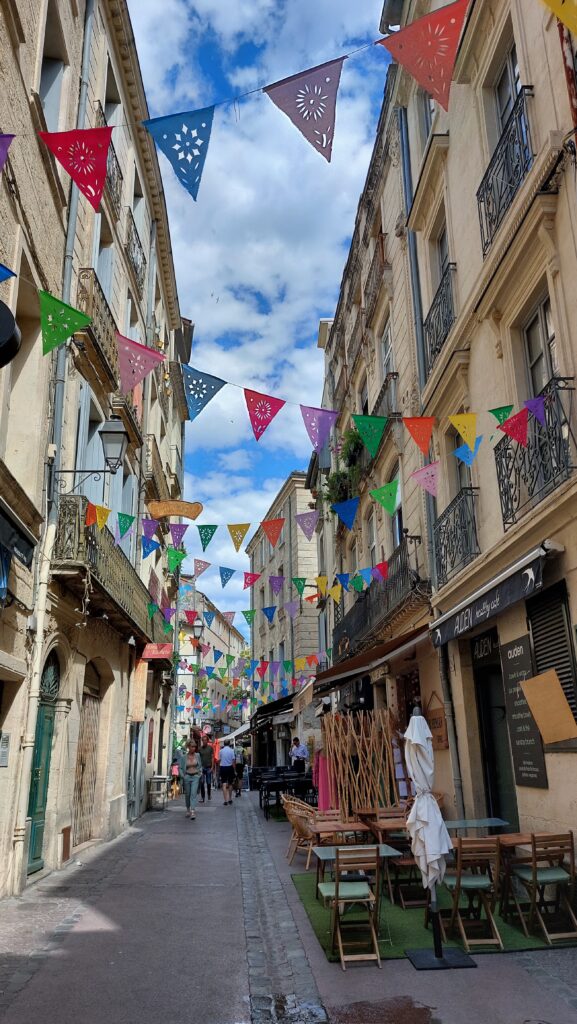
<point>135,362</point>
<point>536,407</point>
<point>319,423</point>
<point>177,532</point>
<point>308,523</point>
<point>205,648</point>
<point>5,141</point>
<point>83,153</point>
<point>200,566</point>
<point>149,528</point>
<point>309,100</point>
<point>229,616</point>
<point>250,579</point>
<point>291,608</point>
<point>517,427</point>
<point>262,410</point>
<point>428,478</point>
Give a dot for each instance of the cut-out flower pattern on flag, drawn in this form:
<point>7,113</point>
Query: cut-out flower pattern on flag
<point>250,579</point>
<point>319,423</point>
<point>135,362</point>
<point>276,584</point>
<point>273,530</point>
<point>5,141</point>
<point>200,566</point>
<point>249,615</point>
<point>517,427</point>
<point>229,616</point>
<point>209,619</point>
<point>300,583</point>
<point>199,388</point>
<point>428,47</point>
<point>83,153</point>
<point>262,410</point>
<point>148,546</point>
<point>238,532</point>
<point>190,616</point>
<point>308,523</point>
<point>428,478</point>
<point>421,429</point>
<point>174,558</point>
<point>309,100</point>
<point>177,532</point>
<point>125,521</point>
<point>225,575</point>
<point>149,527</point>
<point>371,429</point>
<point>102,514</point>
<point>58,321</point>
<point>206,533</point>
<point>184,139</point>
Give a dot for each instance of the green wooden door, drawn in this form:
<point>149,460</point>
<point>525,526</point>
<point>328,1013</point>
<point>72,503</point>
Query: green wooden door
<point>39,784</point>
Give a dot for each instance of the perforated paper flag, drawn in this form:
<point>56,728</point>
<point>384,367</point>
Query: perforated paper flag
<point>309,99</point>
<point>269,612</point>
<point>307,521</point>
<point>291,608</point>
<point>83,153</point>
<point>90,514</point>
<point>225,575</point>
<point>250,579</point>
<point>174,558</point>
<point>135,362</point>
<point>566,11</point>
<point>124,523</point>
<point>347,511</point>
<point>152,609</point>
<point>199,388</point>
<point>5,272</point>
<point>336,592</point>
<point>464,453</point>
<point>343,578</point>
<point>536,407</point>
<point>383,569</point>
<point>371,429</point>
<point>276,584</point>
<point>200,566</point>
<point>428,477</point>
<point>58,321</point>
<point>238,532</point>
<point>262,410</point>
<point>249,615</point>
<point>229,616</point>
<point>168,613</point>
<point>5,141</point>
<point>209,619</point>
<point>177,532</point>
<point>148,546</point>
<point>216,655</point>
<point>149,527</point>
<point>102,514</point>
<point>517,427</point>
<point>273,529</point>
<point>206,533</point>
<point>184,139</point>
<point>421,429</point>
<point>466,425</point>
<point>501,413</point>
<point>387,497</point>
<point>367,575</point>
<point>322,582</point>
<point>428,47</point>
<point>300,583</point>
<point>319,423</point>
<point>357,583</point>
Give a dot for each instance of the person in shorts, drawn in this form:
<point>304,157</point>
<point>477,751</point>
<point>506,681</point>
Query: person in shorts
<point>227,770</point>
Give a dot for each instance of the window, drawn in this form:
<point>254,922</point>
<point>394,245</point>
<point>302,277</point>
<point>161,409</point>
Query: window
<point>263,552</point>
<point>427,105</point>
<point>364,398</point>
<point>54,61</point>
<point>443,251</point>
<point>507,88</point>
<point>549,621</point>
<point>541,348</point>
<point>397,517</point>
<point>132,322</point>
<point>281,655</point>
<point>372,539</point>
<point>103,258</point>
<point>138,205</point>
<point>112,105</point>
<point>387,350</point>
<point>462,471</point>
<point>262,604</point>
<point>354,562</point>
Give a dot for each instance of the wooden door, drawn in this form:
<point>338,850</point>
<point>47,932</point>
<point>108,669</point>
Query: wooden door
<point>39,785</point>
<point>86,761</point>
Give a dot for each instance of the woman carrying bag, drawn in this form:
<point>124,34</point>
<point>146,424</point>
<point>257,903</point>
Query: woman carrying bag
<point>192,773</point>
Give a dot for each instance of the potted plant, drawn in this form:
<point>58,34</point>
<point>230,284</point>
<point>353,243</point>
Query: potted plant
<point>352,447</point>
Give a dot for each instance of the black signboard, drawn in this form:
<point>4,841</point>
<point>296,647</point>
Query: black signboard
<point>526,745</point>
<point>515,588</point>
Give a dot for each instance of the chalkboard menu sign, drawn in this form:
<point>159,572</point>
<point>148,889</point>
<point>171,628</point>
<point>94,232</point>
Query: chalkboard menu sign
<point>526,745</point>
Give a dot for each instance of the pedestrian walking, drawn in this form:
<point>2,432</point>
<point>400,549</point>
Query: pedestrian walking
<point>207,761</point>
<point>299,755</point>
<point>239,769</point>
<point>227,764</point>
<point>192,773</point>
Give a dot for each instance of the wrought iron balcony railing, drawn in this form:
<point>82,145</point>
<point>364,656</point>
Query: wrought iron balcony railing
<point>102,331</point>
<point>135,253</point>
<point>154,476</point>
<point>526,475</point>
<point>373,283</point>
<point>117,589</point>
<point>374,606</point>
<point>455,535</point>
<point>355,341</point>
<point>114,178</point>
<point>159,372</point>
<point>440,318</point>
<point>508,168</point>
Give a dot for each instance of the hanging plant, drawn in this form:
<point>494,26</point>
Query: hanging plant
<point>337,487</point>
<point>352,447</point>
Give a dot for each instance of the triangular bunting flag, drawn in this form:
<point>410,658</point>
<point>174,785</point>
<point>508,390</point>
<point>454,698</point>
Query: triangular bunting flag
<point>273,530</point>
<point>536,407</point>
<point>312,659</point>
<point>152,609</point>
<point>336,593</point>
<point>346,511</point>
<point>184,139</point>
<point>367,575</point>
<point>428,477</point>
<point>83,153</point>
<point>177,532</point>
<point>261,669</point>
<point>291,608</point>
<point>225,575</point>
<point>200,388</point>
<point>273,668</point>
<point>319,423</point>
<point>124,523</point>
<point>5,141</point>
<point>357,583</point>
<point>174,558</point>
<point>309,100</point>
<point>308,523</point>
<point>5,272</point>
<point>58,321</point>
<point>382,569</point>
<point>343,578</point>
<point>167,628</point>
<point>464,453</point>
<point>168,613</point>
<point>321,582</point>
<point>250,579</point>
<point>501,413</point>
<point>190,616</point>
<point>566,11</point>
<point>262,410</point>
<point>148,546</point>
<point>300,664</point>
<point>276,584</point>
<point>200,566</point>
<point>90,514</point>
<point>313,598</point>
<point>371,429</point>
<point>421,430</point>
<point>269,612</point>
<point>238,532</point>
<point>300,584</point>
<point>466,425</point>
<point>217,655</point>
<point>287,666</point>
<point>387,496</point>
<point>149,527</point>
<point>249,615</point>
<point>229,658</point>
<point>135,362</point>
<point>517,427</point>
<point>206,533</point>
<point>229,616</point>
<point>428,47</point>
<point>102,514</point>
<point>209,619</point>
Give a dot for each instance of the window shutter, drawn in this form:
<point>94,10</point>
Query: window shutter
<point>552,645</point>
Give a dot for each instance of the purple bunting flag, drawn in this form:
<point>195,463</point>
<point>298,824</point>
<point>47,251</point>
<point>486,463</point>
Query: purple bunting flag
<point>319,423</point>
<point>273,668</point>
<point>177,532</point>
<point>308,523</point>
<point>309,100</point>
<point>536,407</point>
<point>5,141</point>
<point>168,613</point>
<point>291,608</point>
<point>149,528</point>
<point>276,584</point>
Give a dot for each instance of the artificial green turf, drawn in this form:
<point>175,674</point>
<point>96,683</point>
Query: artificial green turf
<point>406,926</point>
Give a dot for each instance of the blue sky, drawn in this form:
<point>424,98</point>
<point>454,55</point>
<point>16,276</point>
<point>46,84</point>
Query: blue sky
<point>259,256</point>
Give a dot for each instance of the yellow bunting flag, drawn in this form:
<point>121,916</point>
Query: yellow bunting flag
<point>566,11</point>
<point>321,582</point>
<point>466,425</point>
<point>300,664</point>
<point>102,514</point>
<point>238,531</point>
<point>336,592</point>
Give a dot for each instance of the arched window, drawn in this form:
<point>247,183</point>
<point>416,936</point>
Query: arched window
<point>50,681</point>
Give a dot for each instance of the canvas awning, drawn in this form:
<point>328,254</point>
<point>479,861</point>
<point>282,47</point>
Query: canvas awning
<point>365,662</point>
<point>239,732</point>
<point>157,652</point>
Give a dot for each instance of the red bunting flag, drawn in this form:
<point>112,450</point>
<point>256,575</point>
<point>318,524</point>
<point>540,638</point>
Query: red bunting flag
<point>191,616</point>
<point>91,516</point>
<point>250,579</point>
<point>261,669</point>
<point>273,529</point>
<point>262,410</point>
<point>313,598</point>
<point>421,429</point>
<point>383,569</point>
<point>517,427</point>
<point>83,154</point>
<point>427,49</point>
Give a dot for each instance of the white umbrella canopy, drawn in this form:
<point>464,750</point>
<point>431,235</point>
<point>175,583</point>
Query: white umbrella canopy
<point>430,841</point>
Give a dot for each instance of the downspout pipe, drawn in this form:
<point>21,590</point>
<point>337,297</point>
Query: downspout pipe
<point>451,729</point>
<point>49,537</point>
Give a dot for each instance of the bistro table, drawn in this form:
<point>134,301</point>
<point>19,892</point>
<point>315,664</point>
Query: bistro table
<point>327,854</point>
<point>464,824</point>
<point>332,826</point>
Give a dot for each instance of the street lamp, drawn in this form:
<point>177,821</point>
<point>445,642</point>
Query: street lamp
<point>114,444</point>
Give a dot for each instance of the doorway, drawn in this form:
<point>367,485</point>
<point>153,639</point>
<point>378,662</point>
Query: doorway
<point>38,796</point>
<point>497,762</point>
<point>86,759</point>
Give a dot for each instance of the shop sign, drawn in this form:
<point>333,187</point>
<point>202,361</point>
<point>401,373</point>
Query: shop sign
<point>526,745</point>
<point>437,721</point>
<point>157,652</point>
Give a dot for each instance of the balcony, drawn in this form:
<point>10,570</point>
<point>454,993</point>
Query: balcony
<point>85,555</point>
<point>509,166</point>
<point>114,178</point>
<point>526,475</point>
<point>440,318</point>
<point>100,346</point>
<point>355,340</point>
<point>373,283</point>
<point>375,606</point>
<point>159,372</point>
<point>154,476</point>
<point>135,253</point>
<point>455,535</point>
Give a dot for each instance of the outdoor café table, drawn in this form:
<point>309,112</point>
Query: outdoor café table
<point>333,827</point>
<point>464,824</point>
<point>327,854</point>
<point>381,827</point>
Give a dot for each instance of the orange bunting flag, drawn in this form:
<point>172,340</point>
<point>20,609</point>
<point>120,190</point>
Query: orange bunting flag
<point>466,425</point>
<point>273,530</point>
<point>90,514</point>
<point>102,514</point>
<point>238,532</point>
<point>313,598</point>
<point>312,659</point>
<point>517,427</point>
<point>421,430</point>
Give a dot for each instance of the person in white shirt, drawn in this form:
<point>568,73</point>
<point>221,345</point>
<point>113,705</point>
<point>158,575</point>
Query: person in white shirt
<point>299,755</point>
<point>227,762</point>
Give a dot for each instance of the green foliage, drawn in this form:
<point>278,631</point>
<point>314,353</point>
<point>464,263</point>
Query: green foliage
<point>352,448</point>
<point>337,487</point>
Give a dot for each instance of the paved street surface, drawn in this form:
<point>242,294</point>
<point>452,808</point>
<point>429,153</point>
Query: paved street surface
<point>199,923</point>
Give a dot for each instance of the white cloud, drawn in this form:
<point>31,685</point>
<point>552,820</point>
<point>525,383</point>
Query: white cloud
<point>235,460</point>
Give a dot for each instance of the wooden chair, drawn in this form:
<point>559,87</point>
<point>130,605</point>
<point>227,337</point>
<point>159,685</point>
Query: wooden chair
<point>477,879</point>
<point>303,837</point>
<point>552,863</point>
<point>351,887</point>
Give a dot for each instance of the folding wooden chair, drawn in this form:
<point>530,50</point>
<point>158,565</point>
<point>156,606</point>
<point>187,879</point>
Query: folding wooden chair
<point>552,864</point>
<point>351,887</point>
<point>476,879</point>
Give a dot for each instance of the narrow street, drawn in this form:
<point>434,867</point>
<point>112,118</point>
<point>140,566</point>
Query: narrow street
<point>200,921</point>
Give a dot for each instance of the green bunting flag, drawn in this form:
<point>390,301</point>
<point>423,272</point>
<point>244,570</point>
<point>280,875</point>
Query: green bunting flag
<point>58,321</point>
<point>502,413</point>
<point>387,497</point>
<point>174,558</point>
<point>249,615</point>
<point>300,584</point>
<point>288,666</point>
<point>371,429</point>
<point>152,609</point>
<point>229,660</point>
<point>357,583</point>
<point>222,672</point>
<point>206,535</point>
<point>167,628</point>
<point>124,523</point>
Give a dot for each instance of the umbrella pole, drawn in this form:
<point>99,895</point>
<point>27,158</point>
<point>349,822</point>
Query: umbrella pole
<point>434,912</point>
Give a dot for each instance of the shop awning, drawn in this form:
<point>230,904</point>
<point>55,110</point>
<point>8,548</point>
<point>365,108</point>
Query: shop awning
<point>239,732</point>
<point>16,539</point>
<point>157,652</point>
<point>365,662</point>
<point>515,583</point>
<point>268,711</point>
<point>284,719</point>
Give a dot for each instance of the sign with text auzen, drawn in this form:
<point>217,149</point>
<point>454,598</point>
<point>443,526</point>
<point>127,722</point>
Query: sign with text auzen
<point>526,746</point>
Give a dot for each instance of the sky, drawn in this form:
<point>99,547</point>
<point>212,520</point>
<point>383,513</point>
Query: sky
<point>259,257</point>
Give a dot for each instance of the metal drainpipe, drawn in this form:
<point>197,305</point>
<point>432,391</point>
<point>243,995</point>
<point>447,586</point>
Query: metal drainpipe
<point>451,729</point>
<point>49,538</point>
